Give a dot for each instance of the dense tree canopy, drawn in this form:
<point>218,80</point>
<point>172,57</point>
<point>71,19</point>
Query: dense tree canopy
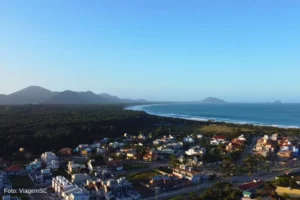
<point>39,128</point>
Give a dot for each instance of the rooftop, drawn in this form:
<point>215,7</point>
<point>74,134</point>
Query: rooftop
<point>13,168</point>
<point>250,185</point>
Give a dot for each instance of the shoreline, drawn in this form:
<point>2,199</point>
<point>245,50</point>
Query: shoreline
<point>202,119</point>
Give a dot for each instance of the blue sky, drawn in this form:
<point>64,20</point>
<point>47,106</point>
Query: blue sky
<point>158,50</point>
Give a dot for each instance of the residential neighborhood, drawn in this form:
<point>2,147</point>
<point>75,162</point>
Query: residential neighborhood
<point>100,170</point>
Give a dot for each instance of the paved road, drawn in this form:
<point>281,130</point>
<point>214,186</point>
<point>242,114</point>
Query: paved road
<point>167,195</point>
<point>237,180</point>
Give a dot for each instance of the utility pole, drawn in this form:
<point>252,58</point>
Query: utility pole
<point>156,193</point>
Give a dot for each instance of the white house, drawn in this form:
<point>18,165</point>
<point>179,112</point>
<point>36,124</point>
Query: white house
<point>188,139</point>
<point>93,165</point>
<point>165,149</point>
<point>78,178</point>
<point>199,136</point>
<point>74,167</point>
<point>241,138</point>
<point>274,137</point>
<point>141,137</point>
<point>54,165</point>
<point>66,190</point>
<point>197,150</point>
<point>171,137</point>
<point>217,139</point>
<point>188,173</point>
<point>47,157</point>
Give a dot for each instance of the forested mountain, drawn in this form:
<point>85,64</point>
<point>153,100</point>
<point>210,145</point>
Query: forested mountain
<point>39,95</point>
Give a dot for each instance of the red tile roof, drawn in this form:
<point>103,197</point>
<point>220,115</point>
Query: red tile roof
<point>13,168</point>
<point>249,186</point>
<point>238,142</point>
<point>219,137</point>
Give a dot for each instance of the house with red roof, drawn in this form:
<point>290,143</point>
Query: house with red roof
<point>218,139</point>
<point>250,188</point>
<point>236,144</point>
<point>13,170</point>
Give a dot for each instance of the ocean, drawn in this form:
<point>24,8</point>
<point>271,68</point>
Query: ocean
<point>276,115</point>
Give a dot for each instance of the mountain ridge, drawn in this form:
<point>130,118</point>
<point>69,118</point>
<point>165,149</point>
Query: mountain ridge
<point>40,95</point>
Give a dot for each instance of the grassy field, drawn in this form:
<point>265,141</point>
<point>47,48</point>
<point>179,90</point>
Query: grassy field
<point>21,181</point>
<point>142,176</point>
<point>223,129</point>
<point>132,166</point>
<point>142,190</point>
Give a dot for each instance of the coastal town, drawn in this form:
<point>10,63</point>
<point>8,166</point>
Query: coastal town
<point>149,100</point>
<point>134,167</point>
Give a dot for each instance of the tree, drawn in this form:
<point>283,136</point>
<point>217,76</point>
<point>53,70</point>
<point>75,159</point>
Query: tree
<point>202,142</point>
<point>177,198</point>
<point>173,162</point>
<point>193,196</point>
<point>286,196</point>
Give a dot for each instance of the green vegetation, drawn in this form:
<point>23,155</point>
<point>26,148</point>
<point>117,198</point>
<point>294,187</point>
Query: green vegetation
<point>221,129</point>
<point>142,176</point>
<point>40,128</point>
<point>221,191</point>
<point>285,181</point>
<point>178,198</point>
<point>132,166</point>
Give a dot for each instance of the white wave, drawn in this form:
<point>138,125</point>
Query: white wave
<point>141,107</point>
<point>197,118</point>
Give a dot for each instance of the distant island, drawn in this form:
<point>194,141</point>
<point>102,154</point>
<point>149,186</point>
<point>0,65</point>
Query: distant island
<point>213,100</point>
<point>277,102</point>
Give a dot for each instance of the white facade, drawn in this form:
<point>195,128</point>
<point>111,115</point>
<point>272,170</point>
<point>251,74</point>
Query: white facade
<point>77,178</point>
<point>217,140</point>
<point>241,138</point>
<point>47,157</point>
<point>214,142</point>
<point>199,136</point>
<point>166,150</point>
<point>53,165</point>
<point>195,151</point>
<point>188,139</point>
<point>66,190</point>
